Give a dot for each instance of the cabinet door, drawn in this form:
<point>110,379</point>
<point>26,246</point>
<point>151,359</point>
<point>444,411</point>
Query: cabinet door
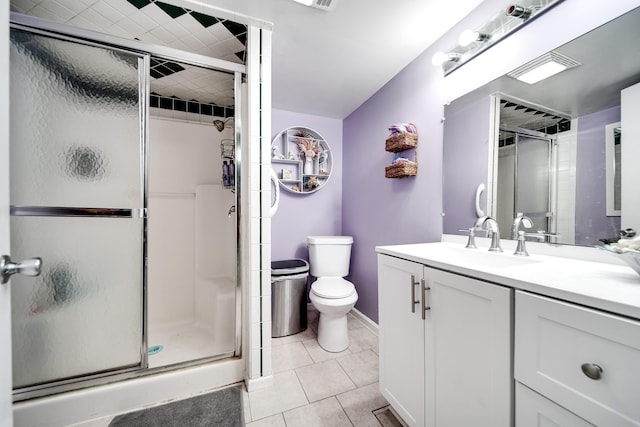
<point>533,410</point>
<point>468,333</point>
<point>401,337</point>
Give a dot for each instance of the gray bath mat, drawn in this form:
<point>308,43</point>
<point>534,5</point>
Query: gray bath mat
<point>222,408</point>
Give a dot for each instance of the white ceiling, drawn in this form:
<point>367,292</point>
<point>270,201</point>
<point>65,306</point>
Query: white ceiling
<point>329,63</point>
<point>325,63</point>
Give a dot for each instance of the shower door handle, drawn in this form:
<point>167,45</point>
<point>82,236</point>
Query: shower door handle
<point>28,267</point>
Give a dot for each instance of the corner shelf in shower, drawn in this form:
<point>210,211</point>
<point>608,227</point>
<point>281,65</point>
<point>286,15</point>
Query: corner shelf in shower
<point>288,161</point>
<point>228,154</point>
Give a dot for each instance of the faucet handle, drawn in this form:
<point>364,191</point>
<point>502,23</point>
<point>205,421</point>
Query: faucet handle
<point>471,242</point>
<point>521,249</point>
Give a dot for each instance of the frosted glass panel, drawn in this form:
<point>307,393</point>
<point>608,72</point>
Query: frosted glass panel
<point>533,180</point>
<point>75,141</point>
<point>75,124</point>
<point>83,314</point>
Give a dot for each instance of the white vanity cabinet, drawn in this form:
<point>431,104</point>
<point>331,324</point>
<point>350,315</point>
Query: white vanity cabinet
<point>585,360</point>
<point>401,338</point>
<point>452,366</point>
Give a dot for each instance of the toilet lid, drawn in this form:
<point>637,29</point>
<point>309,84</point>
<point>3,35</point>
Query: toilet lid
<point>332,287</point>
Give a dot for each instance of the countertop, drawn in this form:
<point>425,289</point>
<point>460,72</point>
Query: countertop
<point>608,286</point>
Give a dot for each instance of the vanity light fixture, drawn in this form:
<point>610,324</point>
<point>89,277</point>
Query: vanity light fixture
<point>506,21</point>
<point>469,36</point>
<point>543,67</point>
<point>523,13</point>
<point>440,58</point>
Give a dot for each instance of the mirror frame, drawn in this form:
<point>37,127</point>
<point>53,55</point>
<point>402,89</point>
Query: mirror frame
<point>610,164</point>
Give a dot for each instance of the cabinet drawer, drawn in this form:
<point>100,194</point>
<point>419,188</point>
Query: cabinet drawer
<point>553,340</point>
<point>533,410</point>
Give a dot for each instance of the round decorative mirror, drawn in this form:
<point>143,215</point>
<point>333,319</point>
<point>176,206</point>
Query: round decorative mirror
<point>301,159</point>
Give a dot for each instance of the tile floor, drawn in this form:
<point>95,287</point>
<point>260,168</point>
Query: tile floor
<point>313,387</point>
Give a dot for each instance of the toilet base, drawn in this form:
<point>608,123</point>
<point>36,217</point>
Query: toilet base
<point>333,333</point>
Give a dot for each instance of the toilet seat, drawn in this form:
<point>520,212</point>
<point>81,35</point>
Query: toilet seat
<point>332,288</point>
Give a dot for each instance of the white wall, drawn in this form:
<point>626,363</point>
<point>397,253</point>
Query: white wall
<point>182,156</point>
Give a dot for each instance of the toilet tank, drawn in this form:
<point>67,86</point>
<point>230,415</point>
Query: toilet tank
<point>329,256</point>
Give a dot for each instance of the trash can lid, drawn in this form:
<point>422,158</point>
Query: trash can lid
<point>289,266</point>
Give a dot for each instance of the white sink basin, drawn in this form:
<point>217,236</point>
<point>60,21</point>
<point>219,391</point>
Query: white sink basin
<point>481,257</point>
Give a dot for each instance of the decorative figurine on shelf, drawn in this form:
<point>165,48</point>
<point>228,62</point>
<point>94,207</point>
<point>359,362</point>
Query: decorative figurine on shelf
<point>322,163</point>
<point>295,188</point>
<point>312,183</point>
<point>275,153</point>
<point>286,174</point>
<point>309,148</point>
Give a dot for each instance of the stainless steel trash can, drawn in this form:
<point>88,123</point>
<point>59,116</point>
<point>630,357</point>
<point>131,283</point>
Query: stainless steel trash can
<point>288,297</point>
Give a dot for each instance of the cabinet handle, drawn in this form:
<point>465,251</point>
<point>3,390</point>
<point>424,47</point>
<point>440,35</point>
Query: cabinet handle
<point>592,370</point>
<point>413,293</point>
<point>425,307</point>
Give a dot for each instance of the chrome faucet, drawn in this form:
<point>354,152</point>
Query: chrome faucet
<point>521,248</point>
<point>490,224</point>
<point>520,219</point>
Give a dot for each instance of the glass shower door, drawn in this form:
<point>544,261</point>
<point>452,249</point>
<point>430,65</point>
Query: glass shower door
<point>533,180</point>
<point>77,201</point>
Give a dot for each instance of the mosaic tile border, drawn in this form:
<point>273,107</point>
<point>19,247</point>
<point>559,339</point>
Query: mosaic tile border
<point>191,106</point>
<point>239,31</point>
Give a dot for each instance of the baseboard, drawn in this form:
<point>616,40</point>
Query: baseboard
<point>258,383</point>
<point>368,323</point>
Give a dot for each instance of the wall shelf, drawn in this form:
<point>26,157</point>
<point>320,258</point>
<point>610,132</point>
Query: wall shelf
<point>289,161</point>
<point>399,143</point>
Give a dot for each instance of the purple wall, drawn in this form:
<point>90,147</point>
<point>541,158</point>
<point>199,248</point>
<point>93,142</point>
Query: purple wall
<point>358,200</point>
<point>380,211</point>
<point>592,223</point>
<point>319,213</point>
<point>465,155</point>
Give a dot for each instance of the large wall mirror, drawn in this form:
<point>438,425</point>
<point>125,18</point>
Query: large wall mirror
<point>540,149</point>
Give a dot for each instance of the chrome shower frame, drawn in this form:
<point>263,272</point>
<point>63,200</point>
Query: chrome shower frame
<point>145,51</point>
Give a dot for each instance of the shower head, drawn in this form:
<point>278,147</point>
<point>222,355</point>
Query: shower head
<point>220,125</point>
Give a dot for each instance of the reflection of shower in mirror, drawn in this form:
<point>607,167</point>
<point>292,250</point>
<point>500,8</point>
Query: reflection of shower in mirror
<point>221,124</point>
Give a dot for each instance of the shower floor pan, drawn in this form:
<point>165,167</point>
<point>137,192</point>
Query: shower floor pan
<point>186,341</point>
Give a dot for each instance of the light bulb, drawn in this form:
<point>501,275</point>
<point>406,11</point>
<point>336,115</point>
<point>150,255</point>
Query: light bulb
<point>467,37</point>
<point>440,58</point>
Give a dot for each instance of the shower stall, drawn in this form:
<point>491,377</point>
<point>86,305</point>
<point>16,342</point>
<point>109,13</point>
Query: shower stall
<point>128,205</point>
<point>526,181</point>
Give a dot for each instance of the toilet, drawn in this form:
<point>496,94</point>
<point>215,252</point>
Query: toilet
<point>331,294</point>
